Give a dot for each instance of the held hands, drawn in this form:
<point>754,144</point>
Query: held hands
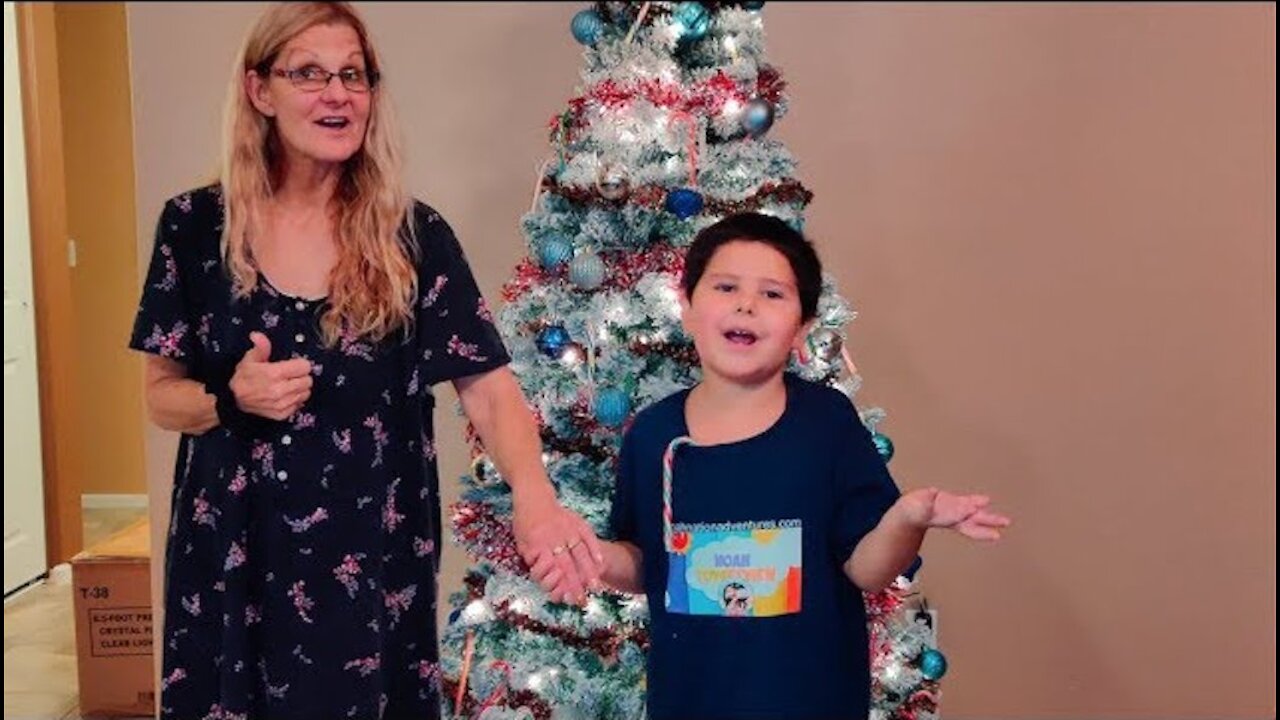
<point>966,514</point>
<point>563,554</point>
<point>272,390</point>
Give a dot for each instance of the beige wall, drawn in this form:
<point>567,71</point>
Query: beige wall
<point>93,69</point>
<point>1058,224</point>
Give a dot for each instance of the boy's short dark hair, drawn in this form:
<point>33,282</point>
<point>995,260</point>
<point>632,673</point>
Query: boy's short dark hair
<point>761,228</point>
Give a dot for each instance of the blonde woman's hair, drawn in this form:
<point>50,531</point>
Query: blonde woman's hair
<point>373,285</point>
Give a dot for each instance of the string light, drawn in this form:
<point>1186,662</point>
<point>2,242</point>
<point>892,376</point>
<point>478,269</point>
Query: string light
<point>595,610</point>
<point>476,612</point>
<point>731,44</point>
<point>536,682</point>
<point>572,356</point>
<point>668,296</point>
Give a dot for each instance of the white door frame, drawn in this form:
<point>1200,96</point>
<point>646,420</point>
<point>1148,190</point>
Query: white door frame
<point>25,555</point>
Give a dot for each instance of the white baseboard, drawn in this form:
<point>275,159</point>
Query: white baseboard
<point>113,500</point>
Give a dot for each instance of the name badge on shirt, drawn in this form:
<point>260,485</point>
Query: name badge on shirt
<point>746,569</point>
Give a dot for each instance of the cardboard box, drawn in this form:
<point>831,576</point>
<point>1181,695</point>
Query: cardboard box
<point>111,592</point>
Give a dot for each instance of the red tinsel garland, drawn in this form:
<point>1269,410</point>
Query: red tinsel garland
<point>684,353</point>
<point>789,191</point>
<point>601,641</point>
<point>540,708</point>
<point>882,604</point>
<point>623,269</point>
<point>707,97</point>
<point>487,536</point>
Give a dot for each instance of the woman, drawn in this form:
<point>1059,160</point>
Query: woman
<point>297,314</point>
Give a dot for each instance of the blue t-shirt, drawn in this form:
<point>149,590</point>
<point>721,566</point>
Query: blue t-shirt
<point>752,615</point>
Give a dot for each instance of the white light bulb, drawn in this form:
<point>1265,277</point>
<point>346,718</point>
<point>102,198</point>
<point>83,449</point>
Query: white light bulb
<point>535,681</point>
<point>476,611</point>
<point>669,297</point>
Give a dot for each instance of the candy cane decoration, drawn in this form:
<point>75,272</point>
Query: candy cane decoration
<point>668,459</point>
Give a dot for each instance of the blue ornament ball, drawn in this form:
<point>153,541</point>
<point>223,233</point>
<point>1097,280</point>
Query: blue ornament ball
<point>884,446</point>
<point>552,340</point>
<point>587,26</point>
<point>757,117</point>
<point>684,203</point>
<point>612,406</point>
<point>554,250</point>
<point>933,664</point>
<point>694,18</point>
<point>587,271</point>
<point>454,615</point>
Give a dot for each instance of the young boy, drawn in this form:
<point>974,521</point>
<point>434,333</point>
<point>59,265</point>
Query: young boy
<point>753,508</point>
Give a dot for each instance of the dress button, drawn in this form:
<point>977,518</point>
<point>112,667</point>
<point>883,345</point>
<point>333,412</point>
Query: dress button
<point>282,475</point>
<point>286,440</point>
<point>299,337</point>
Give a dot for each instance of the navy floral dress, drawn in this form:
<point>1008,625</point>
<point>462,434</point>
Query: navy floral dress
<point>302,560</point>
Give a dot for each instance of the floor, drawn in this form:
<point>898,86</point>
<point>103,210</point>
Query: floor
<point>39,635</point>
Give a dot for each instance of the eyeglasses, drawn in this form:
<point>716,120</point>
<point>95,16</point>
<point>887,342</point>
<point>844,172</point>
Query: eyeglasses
<point>312,78</point>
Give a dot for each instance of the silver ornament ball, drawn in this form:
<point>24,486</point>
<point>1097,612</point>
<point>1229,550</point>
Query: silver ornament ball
<point>613,182</point>
<point>825,344</point>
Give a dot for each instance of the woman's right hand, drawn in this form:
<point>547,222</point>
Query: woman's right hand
<point>273,390</point>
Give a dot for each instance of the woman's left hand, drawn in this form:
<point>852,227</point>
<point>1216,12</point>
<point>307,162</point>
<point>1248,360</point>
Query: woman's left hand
<point>563,553</point>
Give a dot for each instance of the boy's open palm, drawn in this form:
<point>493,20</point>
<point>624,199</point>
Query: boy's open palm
<point>966,514</point>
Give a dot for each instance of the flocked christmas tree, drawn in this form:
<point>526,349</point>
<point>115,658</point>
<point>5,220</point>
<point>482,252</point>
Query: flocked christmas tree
<point>669,133</point>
